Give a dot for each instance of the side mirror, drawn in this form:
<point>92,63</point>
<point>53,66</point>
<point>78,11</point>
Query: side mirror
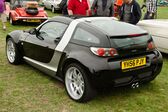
<point>33,31</point>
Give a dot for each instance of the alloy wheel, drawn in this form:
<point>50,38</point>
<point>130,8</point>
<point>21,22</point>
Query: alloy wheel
<point>74,83</point>
<point>10,51</point>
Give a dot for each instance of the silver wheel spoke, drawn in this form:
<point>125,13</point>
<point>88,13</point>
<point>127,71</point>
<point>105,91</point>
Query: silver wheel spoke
<point>74,83</point>
<point>11,51</point>
<point>80,90</point>
<point>74,73</point>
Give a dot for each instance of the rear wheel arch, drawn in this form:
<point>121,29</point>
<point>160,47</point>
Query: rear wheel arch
<point>70,61</point>
<point>88,89</point>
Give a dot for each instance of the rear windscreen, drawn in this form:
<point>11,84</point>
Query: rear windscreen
<point>127,42</point>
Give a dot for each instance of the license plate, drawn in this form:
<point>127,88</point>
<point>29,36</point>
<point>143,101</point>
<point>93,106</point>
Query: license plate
<point>133,63</point>
<point>33,20</point>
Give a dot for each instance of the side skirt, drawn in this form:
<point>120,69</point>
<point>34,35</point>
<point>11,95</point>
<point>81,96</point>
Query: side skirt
<point>43,67</point>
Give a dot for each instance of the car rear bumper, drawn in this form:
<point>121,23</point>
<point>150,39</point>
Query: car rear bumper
<point>31,19</point>
<point>117,77</point>
<point>22,18</point>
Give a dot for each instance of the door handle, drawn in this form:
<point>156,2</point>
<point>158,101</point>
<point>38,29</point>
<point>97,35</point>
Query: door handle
<point>57,39</point>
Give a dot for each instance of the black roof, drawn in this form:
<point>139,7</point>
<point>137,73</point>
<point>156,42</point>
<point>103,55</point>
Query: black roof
<point>67,19</point>
<point>63,19</point>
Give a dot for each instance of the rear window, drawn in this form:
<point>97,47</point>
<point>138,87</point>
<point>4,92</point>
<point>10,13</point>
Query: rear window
<point>106,26</point>
<point>128,42</point>
<point>115,28</point>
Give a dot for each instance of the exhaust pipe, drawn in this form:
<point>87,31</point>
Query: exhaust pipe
<point>135,85</point>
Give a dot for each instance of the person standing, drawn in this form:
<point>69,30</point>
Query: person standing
<point>102,8</point>
<point>151,6</point>
<point>130,12</point>
<point>78,7</point>
<point>63,7</point>
<point>2,13</point>
<point>117,7</point>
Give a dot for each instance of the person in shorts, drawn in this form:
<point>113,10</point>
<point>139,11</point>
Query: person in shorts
<point>2,13</point>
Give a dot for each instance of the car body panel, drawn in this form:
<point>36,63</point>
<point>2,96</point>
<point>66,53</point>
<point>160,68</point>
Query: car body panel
<point>158,30</point>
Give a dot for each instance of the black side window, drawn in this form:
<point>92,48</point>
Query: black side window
<point>52,30</point>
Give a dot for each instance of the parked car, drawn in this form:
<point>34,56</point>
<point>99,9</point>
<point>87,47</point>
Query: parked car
<point>87,53</point>
<point>52,4</point>
<point>26,11</point>
<point>158,29</point>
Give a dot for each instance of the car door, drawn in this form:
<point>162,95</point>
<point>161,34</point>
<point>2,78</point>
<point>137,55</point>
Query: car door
<point>41,46</point>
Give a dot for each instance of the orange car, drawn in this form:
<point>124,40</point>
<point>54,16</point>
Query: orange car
<point>26,11</point>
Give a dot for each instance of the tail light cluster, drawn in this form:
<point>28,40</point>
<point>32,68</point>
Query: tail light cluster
<point>104,52</point>
<point>151,46</point>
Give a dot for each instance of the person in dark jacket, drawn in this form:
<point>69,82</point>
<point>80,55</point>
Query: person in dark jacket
<point>130,12</point>
<point>63,7</point>
<point>103,8</point>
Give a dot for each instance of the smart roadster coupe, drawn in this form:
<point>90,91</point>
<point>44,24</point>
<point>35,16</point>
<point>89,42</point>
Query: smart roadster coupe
<point>87,53</point>
<point>26,11</point>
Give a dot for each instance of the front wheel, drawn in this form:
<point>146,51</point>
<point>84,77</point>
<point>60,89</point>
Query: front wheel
<point>77,83</point>
<point>12,52</point>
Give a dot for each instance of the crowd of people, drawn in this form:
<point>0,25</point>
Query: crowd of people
<point>129,11</point>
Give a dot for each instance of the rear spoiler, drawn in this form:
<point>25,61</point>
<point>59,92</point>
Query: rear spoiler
<point>130,35</point>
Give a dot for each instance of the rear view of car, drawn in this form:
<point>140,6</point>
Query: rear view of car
<point>27,11</point>
<point>131,58</point>
<point>112,54</point>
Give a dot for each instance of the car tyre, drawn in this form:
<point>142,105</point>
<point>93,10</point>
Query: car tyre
<point>77,83</point>
<point>12,52</point>
<point>11,21</point>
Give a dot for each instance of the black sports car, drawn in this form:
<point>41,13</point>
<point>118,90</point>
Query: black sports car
<point>86,53</point>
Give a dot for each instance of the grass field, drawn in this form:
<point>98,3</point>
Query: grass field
<point>25,89</point>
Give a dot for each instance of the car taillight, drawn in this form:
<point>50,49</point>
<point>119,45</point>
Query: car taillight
<point>104,52</point>
<point>151,46</point>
